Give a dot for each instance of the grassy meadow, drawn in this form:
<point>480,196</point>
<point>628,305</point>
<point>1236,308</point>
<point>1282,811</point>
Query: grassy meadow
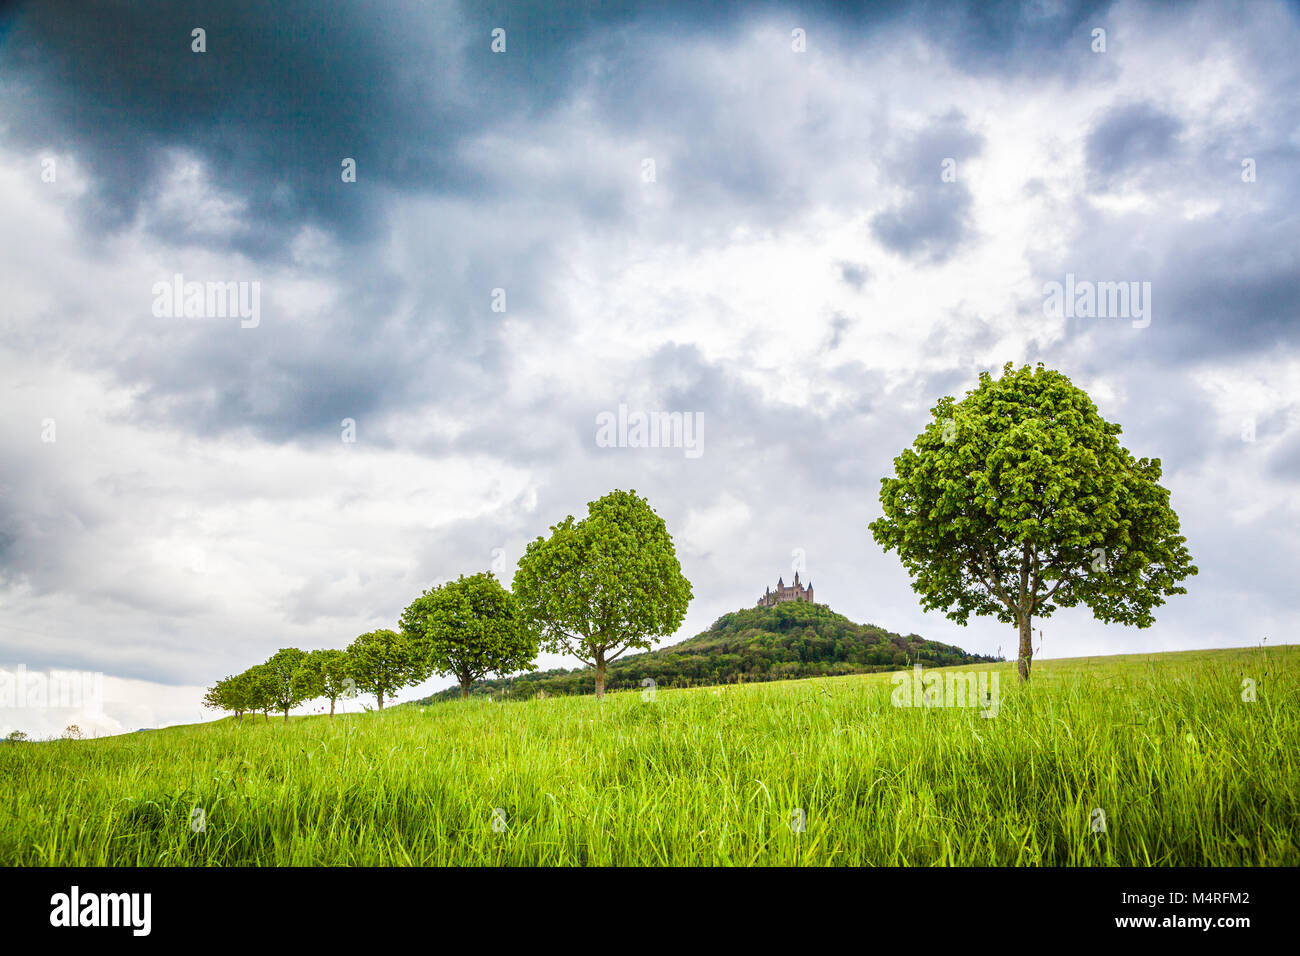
<point>1185,772</point>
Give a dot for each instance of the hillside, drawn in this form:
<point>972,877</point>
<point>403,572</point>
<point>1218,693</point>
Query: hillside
<point>1188,772</point>
<point>790,640</point>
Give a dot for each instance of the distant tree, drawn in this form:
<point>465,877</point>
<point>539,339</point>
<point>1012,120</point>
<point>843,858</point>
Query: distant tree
<point>325,673</point>
<point>470,627</point>
<point>383,661</point>
<point>72,732</point>
<point>212,697</point>
<point>306,681</point>
<point>241,694</point>
<point>258,686</point>
<point>16,737</point>
<point>224,695</point>
<point>1020,499</point>
<point>285,686</point>
<point>608,583</point>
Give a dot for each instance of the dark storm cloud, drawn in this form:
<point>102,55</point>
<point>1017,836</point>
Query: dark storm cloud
<point>269,108</point>
<point>1222,277</point>
<point>934,218</point>
<point>295,377</point>
<point>821,442</point>
<point>1220,286</point>
<point>286,90</point>
<point>41,518</point>
<point>1233,293</point>
<point>1130,137</point>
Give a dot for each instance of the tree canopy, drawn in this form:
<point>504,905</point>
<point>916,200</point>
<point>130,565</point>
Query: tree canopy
<point>256,688</point>
<point>1019,499</point>
<point>286,685</point>
<point>604,585</point>
<point>470,627</point>
<point>325,673</point>
<point>384,661</point>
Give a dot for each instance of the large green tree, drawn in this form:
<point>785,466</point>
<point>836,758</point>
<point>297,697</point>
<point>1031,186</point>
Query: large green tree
<point>607,584</point>
<point>383,661</point>
<point>471,627</point>
<point>1019,499</point>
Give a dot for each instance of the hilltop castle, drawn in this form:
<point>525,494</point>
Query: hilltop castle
<point>782,593</point>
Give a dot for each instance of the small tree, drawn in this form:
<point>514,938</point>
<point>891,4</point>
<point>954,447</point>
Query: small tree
<point>282,672</point>
<point>608,583</point>
<point>241,693</point>
<point>16,737</point>
<point>213,697</point>
<point>382,661</point>
<point>258,690</point>
<point>224,695</point>
<point>470,627</point>
<point>72,732</point>
<point>1020,499</point>
<point>326,674</point>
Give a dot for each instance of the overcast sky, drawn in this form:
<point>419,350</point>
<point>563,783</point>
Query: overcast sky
<point>803,238</point>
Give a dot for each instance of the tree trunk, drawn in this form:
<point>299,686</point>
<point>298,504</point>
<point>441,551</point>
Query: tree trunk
<point>464,688</point>
<point>380,695</point>
<point>286,715</point>
<point>600,675</point>
<point>1026,647</point>
<point>331,706</point>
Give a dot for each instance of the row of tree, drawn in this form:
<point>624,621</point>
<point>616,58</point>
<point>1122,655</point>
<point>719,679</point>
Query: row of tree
<point>595,588</point>
<point>1013,502</point>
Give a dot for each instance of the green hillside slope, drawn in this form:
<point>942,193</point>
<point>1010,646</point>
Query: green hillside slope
<point>1187,771</point>
<point>790,640</point>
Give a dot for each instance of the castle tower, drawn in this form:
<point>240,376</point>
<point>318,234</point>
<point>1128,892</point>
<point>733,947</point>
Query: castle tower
<point>784,592</point>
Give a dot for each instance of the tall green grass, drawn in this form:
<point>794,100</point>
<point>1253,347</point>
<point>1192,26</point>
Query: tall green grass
<point>1185,772</point>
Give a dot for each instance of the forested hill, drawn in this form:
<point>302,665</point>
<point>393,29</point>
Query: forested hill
<point>795,639</point>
